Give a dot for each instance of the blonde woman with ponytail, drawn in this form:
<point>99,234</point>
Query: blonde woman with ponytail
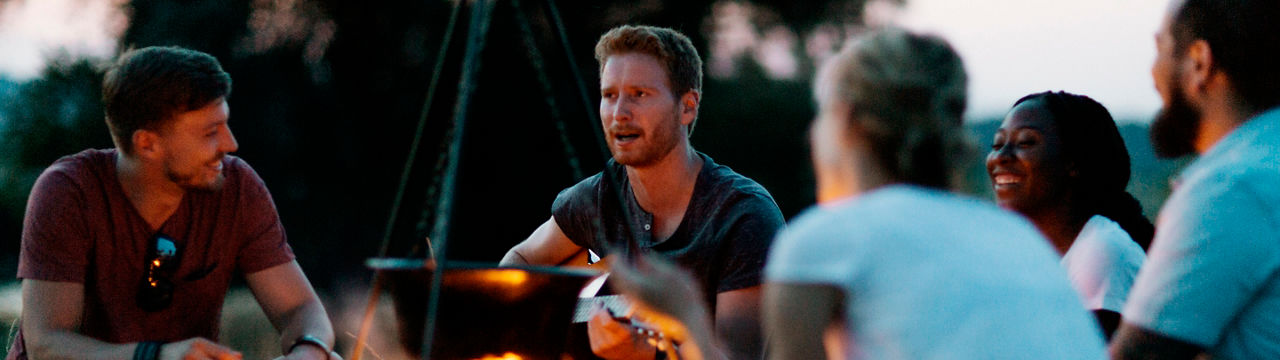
<point>889,264</point>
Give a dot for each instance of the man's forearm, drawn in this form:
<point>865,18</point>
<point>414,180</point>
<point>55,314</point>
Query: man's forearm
<point>51,314</point>
<point>71,345</point>
<point>293,307</point>
<point>513,258</point>
<point>308,319</point>
<point>702,345</point>
<point>737,323</point>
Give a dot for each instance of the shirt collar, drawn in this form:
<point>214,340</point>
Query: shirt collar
<point>1265,124</point>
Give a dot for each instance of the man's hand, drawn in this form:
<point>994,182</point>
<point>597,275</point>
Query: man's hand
<point>197,349</point>
<point>668,298</point>
<point>665,293</point>
<point>613,340</point>
<point>1135,342</point>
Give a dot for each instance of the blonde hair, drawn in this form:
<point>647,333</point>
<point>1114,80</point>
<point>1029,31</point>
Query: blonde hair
<point>907,94</point>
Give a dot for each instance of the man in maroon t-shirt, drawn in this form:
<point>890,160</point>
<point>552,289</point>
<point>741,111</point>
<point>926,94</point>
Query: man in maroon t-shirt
<point>128,252</point>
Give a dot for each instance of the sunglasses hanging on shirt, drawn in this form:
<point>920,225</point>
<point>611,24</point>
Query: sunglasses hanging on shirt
<point>156,291</point>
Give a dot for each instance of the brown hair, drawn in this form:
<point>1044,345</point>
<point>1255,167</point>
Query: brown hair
<point>1245,39</point>
<point>146,88</point>
<point>673,50</point>
<point>907,96</point>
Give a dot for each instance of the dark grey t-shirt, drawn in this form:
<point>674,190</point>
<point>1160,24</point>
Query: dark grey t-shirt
<point>723,238</point>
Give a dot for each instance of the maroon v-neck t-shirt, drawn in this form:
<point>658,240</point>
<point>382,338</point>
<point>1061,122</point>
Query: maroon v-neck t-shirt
<point>80,227</point>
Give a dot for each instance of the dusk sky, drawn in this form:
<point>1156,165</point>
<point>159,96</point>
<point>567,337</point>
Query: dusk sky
<point>1101,48</point>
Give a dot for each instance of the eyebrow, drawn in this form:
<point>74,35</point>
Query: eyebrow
<point>632,86</point>
<point>1023,127</point>
<point>216,124</point>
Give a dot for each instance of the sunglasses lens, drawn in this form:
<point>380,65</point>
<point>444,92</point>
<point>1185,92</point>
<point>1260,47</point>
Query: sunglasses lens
<point>165,248</point>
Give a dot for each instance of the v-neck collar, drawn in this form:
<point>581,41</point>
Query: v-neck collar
<point>118,186</point>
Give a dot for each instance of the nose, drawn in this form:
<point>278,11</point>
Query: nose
<point>228,144</point>
<point>619,110</point>
<point>1003,153</point>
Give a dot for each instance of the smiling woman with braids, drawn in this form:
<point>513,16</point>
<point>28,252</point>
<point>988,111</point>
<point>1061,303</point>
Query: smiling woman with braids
<point>1059,160</point>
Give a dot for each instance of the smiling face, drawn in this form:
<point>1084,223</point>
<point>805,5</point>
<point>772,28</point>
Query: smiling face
<point>1026,163</point>
<point>195,144</point>
<point>642,120</point>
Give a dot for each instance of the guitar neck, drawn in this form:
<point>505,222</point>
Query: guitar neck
<point>620,306</point>
<point>615,303</point>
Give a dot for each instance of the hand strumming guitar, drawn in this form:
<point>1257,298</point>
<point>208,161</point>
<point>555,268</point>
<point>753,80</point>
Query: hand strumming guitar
<point>667,297</point>
<point>613,339</point>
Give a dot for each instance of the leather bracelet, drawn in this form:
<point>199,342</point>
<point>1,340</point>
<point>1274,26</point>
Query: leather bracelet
<point>313,341</point>
<point>147,350</point>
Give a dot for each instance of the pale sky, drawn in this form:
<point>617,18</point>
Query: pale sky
<point>34,30</point>
<point>1099,48</point>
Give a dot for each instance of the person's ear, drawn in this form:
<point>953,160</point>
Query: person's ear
<point>146,144</point>
<point>1199,66</point>
<point>689,106</point>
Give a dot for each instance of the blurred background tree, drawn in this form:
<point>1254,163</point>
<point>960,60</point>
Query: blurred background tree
<point>56,114</point>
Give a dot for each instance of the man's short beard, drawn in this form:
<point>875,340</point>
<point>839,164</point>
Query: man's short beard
<point>1174,131</point>
<point>662,141</point>
<point>188,182</point>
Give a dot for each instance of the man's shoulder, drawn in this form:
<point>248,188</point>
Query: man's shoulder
<point>587,188</point>
<point>1248,174</point>
<point>725,184</point>
<point>579,200</point>
<point>79,168</point>
<point>1249,156</point>
<point>88,159</point>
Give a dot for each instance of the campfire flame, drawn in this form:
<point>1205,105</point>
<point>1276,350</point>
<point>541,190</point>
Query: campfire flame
<point>506,356</point>
<point>510,277</point>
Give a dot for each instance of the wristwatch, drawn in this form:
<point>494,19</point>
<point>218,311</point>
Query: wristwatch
<point>314,341</point>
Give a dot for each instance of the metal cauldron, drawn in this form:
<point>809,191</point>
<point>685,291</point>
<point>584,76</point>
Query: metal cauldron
<point>485,311</point>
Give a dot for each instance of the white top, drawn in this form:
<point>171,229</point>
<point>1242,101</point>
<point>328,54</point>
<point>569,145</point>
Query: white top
<point>930,275</point>
<point>1102,263</point>
<point>1212,275</point>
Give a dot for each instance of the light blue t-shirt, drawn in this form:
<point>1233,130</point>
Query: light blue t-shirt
<point>930,275</point>
<point>1212,276</point>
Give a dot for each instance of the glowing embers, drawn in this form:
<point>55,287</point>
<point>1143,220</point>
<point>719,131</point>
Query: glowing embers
<point>509,277</point>
<point>506,356</point>
<point>504,285</point>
